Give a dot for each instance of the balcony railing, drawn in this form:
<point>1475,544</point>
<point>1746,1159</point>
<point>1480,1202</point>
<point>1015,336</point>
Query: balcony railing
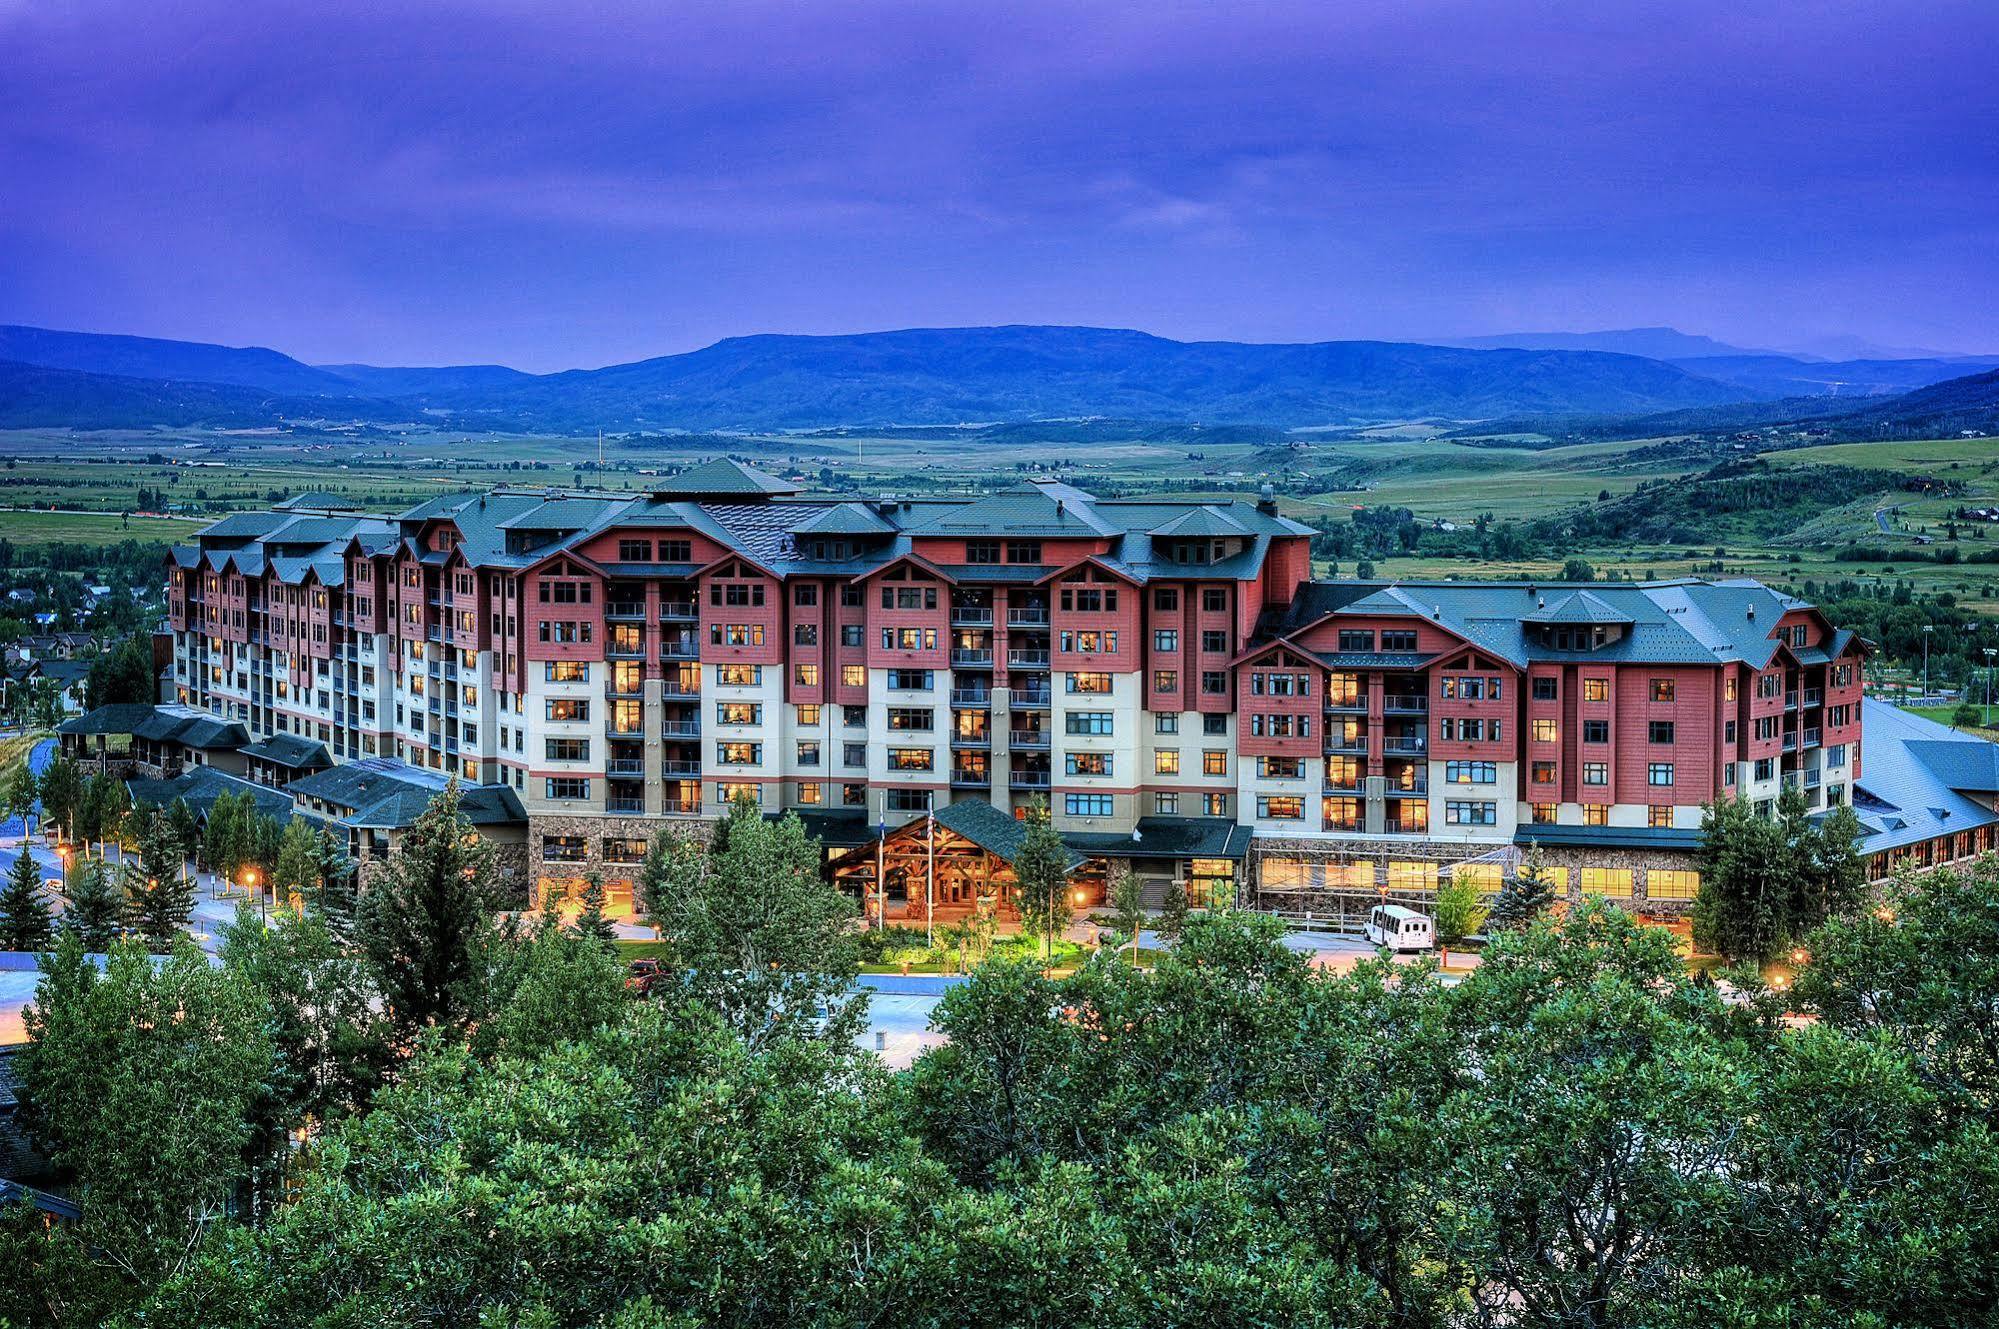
<point>625,766</point>
<point>613,725</point>
<point>1417,790</point>
<point>614,689</point>
<point>1813,696</point>
<point>1035,699</point>
<point>1790,701</point>
<point>1790,742</point>
<point>1414,746</point>
<point>1356,746</point>
<point>978,779</point>
<point>978,740</point>
<point>685,807</point>
<point>671,768</point>
<point>1028,779</point>
<point>678,610</point>
<point>681,729</point>
<point>625,650</point>
<point>625,609</point>
<point>673,687</point>
<point>1342,785</point>
<point>680,648</point>
<point>976,698</point>
<point>971,616</point>
<point>1028,738</point>
<point>626,805</point>
<point>1027,618</point>
<point>966,656</point>
<point>1357,703</point>
<point>1811,738</point>
<point>1026,659</point>
<point>1405,705</point>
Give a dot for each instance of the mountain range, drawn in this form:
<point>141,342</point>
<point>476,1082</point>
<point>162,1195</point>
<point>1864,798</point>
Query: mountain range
<point>934,376</point>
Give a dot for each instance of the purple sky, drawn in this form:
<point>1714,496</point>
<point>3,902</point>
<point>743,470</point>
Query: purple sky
<point>557,185</point>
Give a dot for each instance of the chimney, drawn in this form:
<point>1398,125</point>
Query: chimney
<point>1752,613</point>
<point>1266,500</point>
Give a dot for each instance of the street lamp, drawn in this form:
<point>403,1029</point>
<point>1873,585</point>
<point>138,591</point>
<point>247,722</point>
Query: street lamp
<point>1927,629</point>
<point>1990,651</point>
<point>250,883</point>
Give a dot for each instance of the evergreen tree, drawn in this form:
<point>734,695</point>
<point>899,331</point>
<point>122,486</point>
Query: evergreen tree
<point>1127,900</point>
<point>592,922</point>
<point>1174,914</point>
<point>1041,880</point>
<point>1524,896</point>
<point>159,895</point>
<point>95,905</point>
<point>1744,901</point>
<point>186,828</point>
<point>335,899</point>
<point>25,924</point>
<point>296,874</point>
<point>425,919</point>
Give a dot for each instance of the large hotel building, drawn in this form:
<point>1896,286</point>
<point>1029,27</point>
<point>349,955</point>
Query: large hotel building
<point>1165,675</point>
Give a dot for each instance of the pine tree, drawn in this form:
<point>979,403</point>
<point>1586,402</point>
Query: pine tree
<point>335,900</point>
<point>159,895</point>
<point>1173,914</point>
<point>425,918</point>
<point>25,924</point>
<point>62,786</point>
<point>592,921</point>
<point>296,875</point>
<point>1524,896</point>
<point>95,905</point>
<point>1041,880</point>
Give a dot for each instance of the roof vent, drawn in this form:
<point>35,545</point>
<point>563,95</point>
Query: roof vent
<point>1752,613</point>
<point>1266,500</point>
<point>1541,602</point>
<point>1436,611</point>
<point>1058,507</point>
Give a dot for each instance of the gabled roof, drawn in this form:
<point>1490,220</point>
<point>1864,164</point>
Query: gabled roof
<point>996,832</point>
<point>1200,522</point>
<point>384,794</point>
<point>292,750</point>
<point>200,786</point>
<point>724,477</point>
<point>162,723</point>
<point>1167,837</point>
<point>1913,777</point>
<point>844,519</point>
<point>1584,607</point>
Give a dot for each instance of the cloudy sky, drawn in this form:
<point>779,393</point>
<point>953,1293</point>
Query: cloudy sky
<point>576,184</point>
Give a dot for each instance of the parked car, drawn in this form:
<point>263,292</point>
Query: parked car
<point>1399,929</point>
<point>641,976</point>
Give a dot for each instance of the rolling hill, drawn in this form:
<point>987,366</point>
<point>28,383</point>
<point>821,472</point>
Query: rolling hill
<point>37,397</point>
<point>176,361</point>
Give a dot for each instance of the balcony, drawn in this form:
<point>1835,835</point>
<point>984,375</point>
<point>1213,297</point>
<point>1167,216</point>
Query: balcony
<point>975,658</point>
<point>680,648</point>
<point>971,779</point>
<point>1033,699</point>
<point>625,650</point>
<point>1027,659</point>
<point>1405,704</point>
<point>681,729</point>
<point>1347,745</point>
<point>1028,738</point>
<point>971,616</point>
<point>1790,701</point>
<point>684,807</point>
<point>626,609</point>
<point>627,690</point>
<point>1344,785</point>
<point>633,766</point>
<point>1028,779</point>
<point>1418,788</point>
<point>673,768</point>
<point>678,611</point>
<point>624,728</point>
<point>1354,704</point>
<point>1811,738</point>
<point>972,698</point>
<point>628,806</point>
<point>674,688</point>
<point>1814,696</point>
<point>1415,747</point>
<point>1790,742</point>
<point>1027,618</point>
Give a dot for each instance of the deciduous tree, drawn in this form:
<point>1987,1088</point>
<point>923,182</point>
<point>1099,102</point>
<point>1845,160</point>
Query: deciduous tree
<point>1041,880</point>
<point>425,919</point>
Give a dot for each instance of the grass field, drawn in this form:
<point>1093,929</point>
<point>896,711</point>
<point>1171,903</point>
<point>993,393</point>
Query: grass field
<point>37,528</point>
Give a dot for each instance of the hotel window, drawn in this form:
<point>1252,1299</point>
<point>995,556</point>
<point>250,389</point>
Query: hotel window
<point>911,759</point>
<point>1596,731</point>
<point>808,752</point>
<point>1596,689</point>
<point>1214,805</point>
<point>853,795</point>
<point>1090,723</point>
<point>1166,641</point>
<point>909,639</point>
<point>1023,551</point>
<point>1166,722</point>
<point>1766,768</point>
<point>1835,756</point>
<point>1672,884</point>
<point>1728,688</point>
<point>1612,882</point>
<point>1087,805</point>
<point>568,709</point>
<point>1596,772</point>
<point>1214,763</point>
<point>565,848</point>
<point>1088,763</point>
<point>1659,815</point>
<point>982,551</point>
<point>805,634</point>
<point>568,749</point>
<point>738,754</point>
<point>910,680</point>
<point>1166,599</point>
<point>1543,772</point>
<point>1214,600</point>
<point>1281,768</point>
<point>911,717</point>
<point>851,635</point>
<point>1471,772</point>
<point>1090,643</point>
<point>1544,689</point>
<point>854,676</point>
<point>1356,639</point>
<point>806,675</point>
<point>1343,814</point>
<point>1165,680</point>
<point>1544,813</point>
<point>1842,675</point>
<point>811,793</point>
<point>1166,805</point>
<point>624,851</point>
<point>728,791</point>
<point>635,551</point>
<point>738,712</point>
<point>735,595</point>
<point>854,717</point>
<point>807,595</point>
<point>1596,814</point>
<point>850,596</point>
<point>1547,731</point>
<point>1398,640</point>
<point>1659,773</point>
<point>567,787</point>
<point>1660,731</point>
<point>738,675</point>
<point>854,754</point>
<point>1215,642</point>
<point>1280,807</point>
<point>1471,814</point>
<point>1089,684</point>
<point>1166,762</point>
<point>907,800</point>
<point>1214,682</point>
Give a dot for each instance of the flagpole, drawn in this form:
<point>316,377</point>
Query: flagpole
<point>930,873</point>
<point>881,878</point>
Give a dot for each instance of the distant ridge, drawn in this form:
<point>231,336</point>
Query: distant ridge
<point>934,377</point>
<point>1653,343</point>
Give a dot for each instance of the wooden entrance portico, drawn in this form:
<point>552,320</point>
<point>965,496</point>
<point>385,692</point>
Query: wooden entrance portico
<point>962,854</point>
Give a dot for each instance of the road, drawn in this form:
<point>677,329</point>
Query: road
<point>1881,516</point>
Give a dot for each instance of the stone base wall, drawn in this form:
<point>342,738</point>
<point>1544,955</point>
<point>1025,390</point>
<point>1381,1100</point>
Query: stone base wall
<point>595,830</point>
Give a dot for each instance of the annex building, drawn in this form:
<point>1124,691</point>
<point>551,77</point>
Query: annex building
<point>1164,675</point>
